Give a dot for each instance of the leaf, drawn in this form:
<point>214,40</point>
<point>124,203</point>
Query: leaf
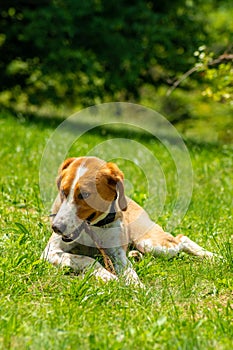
<point>22,228</point>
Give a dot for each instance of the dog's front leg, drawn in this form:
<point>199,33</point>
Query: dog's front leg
<point>123,266</point>
<point>78,263</point>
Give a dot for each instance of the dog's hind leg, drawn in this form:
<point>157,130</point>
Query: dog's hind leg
<point>158,242</point>
<point>147,236</point>
<point>192,248</point>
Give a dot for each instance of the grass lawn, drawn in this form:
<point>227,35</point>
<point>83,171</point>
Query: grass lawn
<point>187,303</point>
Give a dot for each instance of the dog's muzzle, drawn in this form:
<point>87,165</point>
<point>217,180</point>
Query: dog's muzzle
<point>60,228</point>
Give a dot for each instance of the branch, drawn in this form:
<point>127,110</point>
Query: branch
<point>224,57</point>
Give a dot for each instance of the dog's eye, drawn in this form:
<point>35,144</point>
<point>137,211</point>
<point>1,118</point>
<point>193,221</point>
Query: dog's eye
<point>83,195</point>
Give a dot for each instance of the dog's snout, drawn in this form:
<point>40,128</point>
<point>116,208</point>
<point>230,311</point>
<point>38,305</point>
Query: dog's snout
<point>59,228</point>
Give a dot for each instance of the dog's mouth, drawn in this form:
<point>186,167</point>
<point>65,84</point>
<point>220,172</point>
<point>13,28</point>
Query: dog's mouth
<point>75,234</point>
<point>67,239</point>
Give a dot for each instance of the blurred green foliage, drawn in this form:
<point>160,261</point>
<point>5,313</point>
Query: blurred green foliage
<point>96,50</point>
<point>217,74</point>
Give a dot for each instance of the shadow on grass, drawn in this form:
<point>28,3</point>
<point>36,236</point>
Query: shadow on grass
<point>52,121</point>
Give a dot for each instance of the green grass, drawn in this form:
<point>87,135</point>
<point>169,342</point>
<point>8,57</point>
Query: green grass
<point>187,303</point>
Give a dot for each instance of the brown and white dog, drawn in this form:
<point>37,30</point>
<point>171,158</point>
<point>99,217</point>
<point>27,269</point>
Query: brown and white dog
<point>91,195</point>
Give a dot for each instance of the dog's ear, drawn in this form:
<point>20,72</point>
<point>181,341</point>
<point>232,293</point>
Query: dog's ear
<point>63,166</point>
<point>115,180</point>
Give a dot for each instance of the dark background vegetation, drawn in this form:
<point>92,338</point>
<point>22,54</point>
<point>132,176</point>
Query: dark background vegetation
<point>75,53</point>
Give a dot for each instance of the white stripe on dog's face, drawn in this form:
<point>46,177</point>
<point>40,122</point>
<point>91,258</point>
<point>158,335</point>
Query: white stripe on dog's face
<point>80,172</point>
<point>67,214</point>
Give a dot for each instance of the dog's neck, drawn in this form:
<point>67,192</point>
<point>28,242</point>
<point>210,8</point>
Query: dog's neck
<point>109,218</point>
<point>106,221</point>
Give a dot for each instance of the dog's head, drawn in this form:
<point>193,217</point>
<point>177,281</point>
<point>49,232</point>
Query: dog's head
<point>89,189</point>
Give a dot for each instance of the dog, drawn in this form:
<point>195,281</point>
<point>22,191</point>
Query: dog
<point>92,214</point>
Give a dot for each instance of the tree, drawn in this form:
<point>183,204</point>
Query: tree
<point>97,49</point>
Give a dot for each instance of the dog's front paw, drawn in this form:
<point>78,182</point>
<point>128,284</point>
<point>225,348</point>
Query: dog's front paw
<point>131,277</point>
<point>104,275</point>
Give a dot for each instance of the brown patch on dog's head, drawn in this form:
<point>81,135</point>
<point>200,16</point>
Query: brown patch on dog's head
<point>110,184</point>
<point>63,166</point>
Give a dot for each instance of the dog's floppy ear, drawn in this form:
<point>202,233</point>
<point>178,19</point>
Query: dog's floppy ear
<point>63,166</point>
<point>115,180</point>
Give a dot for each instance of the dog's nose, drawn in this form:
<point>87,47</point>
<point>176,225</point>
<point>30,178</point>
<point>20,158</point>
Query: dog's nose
<point>59,228</point>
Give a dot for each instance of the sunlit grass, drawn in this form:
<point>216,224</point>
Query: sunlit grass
<point>186,303</point>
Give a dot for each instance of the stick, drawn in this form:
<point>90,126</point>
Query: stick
<point>224,57</point>
<point>107,261</point>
